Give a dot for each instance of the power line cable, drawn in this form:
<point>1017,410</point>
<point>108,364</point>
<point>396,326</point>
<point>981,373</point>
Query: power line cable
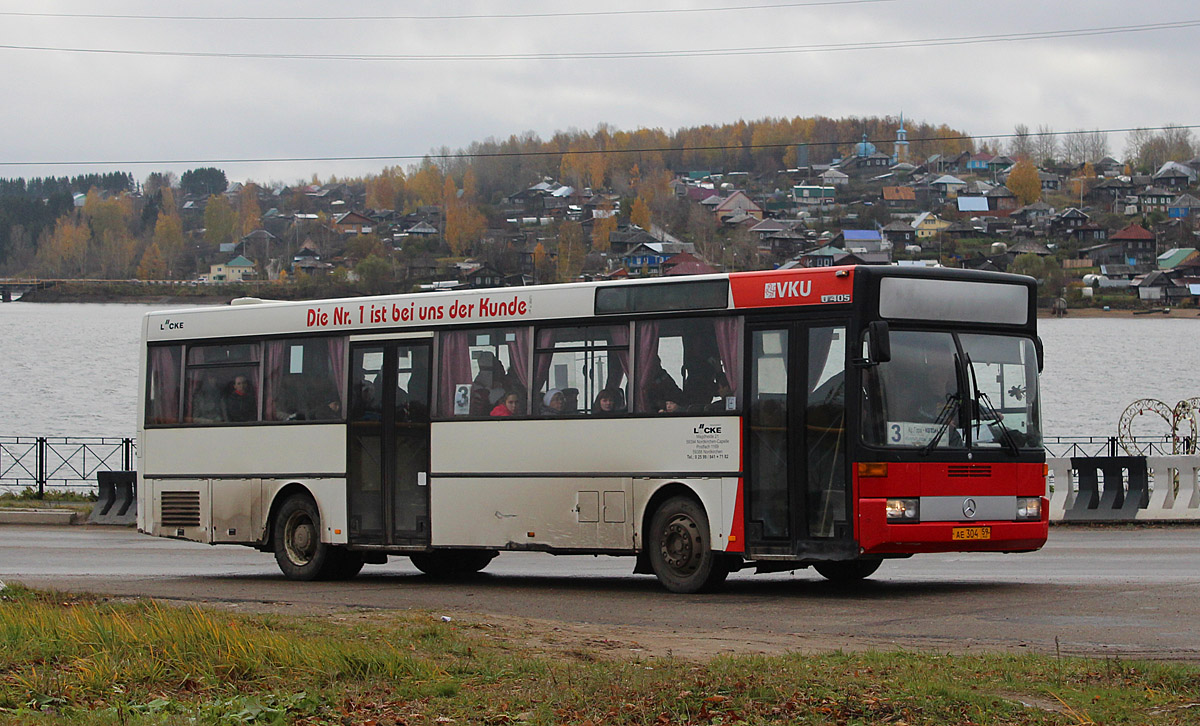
<point>634,54</point>
<point>559,152</point>
<point>464,16</point>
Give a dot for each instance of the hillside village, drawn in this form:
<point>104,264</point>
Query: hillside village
<point>1094,232</point>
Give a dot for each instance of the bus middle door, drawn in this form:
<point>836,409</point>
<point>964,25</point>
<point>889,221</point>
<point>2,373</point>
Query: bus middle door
<point>388,445</point>
<point>797,484</point>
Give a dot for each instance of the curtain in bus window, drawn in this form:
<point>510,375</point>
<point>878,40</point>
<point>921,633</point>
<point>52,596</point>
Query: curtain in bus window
<point>303,381</point>
<point>649,368</point>
<point>728,333</point>
<point>454,383</point>
<point>162,404</point>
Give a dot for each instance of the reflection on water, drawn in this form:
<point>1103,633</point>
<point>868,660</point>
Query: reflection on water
<point>71,369</point>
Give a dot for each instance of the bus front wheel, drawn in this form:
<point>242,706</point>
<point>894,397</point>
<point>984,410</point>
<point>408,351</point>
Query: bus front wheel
<point>299,551</point>
<point>849,571</point>
<point>680,549</point>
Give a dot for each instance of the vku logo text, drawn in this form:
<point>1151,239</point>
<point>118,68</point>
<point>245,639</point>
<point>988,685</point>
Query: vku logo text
<point>791,288</point>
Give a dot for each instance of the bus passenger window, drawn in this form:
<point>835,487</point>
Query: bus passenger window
<point>689,365</point>
<point>301,383</point>
<point>221,384</point>
<point>479,369</point>
<point>582,370</point>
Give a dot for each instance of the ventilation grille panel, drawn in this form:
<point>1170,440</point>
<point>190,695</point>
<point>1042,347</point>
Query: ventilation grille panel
<point>180,509</point>
<point>969,471</point>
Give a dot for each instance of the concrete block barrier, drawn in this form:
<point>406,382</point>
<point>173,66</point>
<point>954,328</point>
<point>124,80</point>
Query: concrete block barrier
<point>1124,488</point>
<point>116,498</point>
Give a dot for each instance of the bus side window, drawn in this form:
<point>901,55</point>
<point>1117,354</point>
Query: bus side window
<point>478,369</point>
<point>582,370</point>
<point>689,365</point>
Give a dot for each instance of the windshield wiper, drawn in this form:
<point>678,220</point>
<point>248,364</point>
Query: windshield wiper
<point>984,404</point>
<point>953,400</point>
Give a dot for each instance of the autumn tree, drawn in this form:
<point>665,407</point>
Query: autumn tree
<point>386,190</point>
<point>64,252</point>
<point>1024,182</point>
<point>603,228</point>
<point>249,213</point>
<point>571,251</point>
<point>640,213</point>
<point>374,275</point>
<point>426,183</point>
<point>220,221</point>
<point>152,266</point>
<point>168,238</point>
<point>543,266</point>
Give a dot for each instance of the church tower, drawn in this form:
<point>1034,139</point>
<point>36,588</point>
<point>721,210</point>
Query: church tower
<point>901,146</point>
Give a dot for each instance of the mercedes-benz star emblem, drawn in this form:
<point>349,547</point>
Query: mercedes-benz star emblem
<point>969,508</point>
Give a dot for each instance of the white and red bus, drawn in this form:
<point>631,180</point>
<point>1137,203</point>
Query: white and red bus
<point>831,417</point>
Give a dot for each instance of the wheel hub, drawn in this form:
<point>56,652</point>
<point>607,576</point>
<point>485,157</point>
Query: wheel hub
<point>679,545</point>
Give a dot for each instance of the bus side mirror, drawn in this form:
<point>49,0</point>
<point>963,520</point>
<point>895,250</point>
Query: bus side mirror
<point>878,348</point>
<point>1041,354</point>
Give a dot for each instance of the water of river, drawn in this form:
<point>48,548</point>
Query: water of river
<point>71,369</point>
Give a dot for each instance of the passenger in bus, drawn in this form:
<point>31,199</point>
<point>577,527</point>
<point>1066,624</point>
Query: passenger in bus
<point>206,402</point>
<point>490,384</point>
<point>241,404</point>
<point>607,402</point>
<point>662,392</point>
<point>508,405</point>
<point>554,403</point>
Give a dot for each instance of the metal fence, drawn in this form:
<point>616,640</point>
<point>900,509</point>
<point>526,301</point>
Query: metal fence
<point>1080,446</point>
<point>65,462</point>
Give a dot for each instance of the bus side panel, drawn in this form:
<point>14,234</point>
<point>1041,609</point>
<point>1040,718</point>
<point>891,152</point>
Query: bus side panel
<point>330,496</point>
<point>176,508</point>
<point>718,496</point>
<point>315,451</point>
<point>532,512</point>
<point>703,445</point>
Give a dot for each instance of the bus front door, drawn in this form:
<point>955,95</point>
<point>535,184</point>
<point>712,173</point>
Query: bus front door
<point>388,446</point>
<point>797,487</point>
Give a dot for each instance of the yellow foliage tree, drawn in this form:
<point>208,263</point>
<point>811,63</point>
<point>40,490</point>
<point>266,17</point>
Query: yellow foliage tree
<point>1024,181</point>
<point>640,214</point>
<point>602,229</point>
<point>64,253</point>
<point>249,214</point>
<point>219,220</point>
<point>426,184</point>
<point>168,238</point>
<point>152,266</point>
<point>571,252</point>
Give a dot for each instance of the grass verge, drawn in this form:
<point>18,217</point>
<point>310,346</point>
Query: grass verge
<point>67,659</point>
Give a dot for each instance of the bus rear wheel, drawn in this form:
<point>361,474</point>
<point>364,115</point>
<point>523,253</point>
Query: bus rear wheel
<point>848,571</point>
<point>452,563</point>
<point>299,551</point>
<point>680,549</point>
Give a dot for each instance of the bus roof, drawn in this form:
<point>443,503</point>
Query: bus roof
<point>508,305</point>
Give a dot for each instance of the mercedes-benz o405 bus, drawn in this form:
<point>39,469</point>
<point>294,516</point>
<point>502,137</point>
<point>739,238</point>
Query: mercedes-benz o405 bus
<point>830,417</point>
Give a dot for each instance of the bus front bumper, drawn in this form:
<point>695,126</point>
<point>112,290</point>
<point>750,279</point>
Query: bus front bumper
<point>877,536</point>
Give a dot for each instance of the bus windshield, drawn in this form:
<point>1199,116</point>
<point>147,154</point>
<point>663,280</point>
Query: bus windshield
<point>953,391</point>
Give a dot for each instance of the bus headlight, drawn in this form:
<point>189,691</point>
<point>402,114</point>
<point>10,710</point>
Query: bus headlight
<point>1029,509</point>
<point>903,510</point>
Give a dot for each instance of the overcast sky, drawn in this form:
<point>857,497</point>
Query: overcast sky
<point>148,103</point>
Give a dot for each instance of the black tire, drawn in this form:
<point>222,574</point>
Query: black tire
<point>680,549</point>
<point>299,551</point>
<point>452,563</point>
<point>847,571</point>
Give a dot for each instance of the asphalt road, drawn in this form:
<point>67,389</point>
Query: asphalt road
<point>1121,591</point>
